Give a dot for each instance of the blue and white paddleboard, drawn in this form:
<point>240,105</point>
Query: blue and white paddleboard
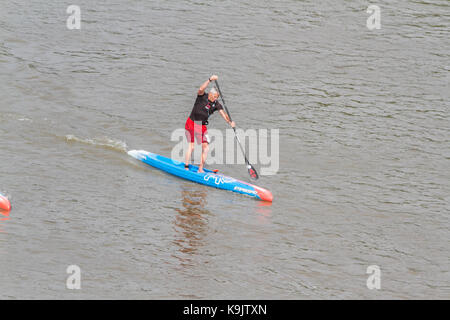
<point>209,178</point>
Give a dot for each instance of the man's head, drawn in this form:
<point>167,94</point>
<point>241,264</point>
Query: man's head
<point>213,95</point>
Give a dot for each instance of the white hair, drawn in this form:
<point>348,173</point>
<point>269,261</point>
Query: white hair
<point>213,90</point>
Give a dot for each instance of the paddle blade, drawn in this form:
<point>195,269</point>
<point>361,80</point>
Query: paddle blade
<point>252,172</point>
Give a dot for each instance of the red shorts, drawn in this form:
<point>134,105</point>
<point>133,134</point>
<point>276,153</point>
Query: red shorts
<point>200,132</point>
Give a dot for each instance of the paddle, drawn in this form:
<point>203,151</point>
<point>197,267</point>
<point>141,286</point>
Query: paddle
<point>251,170</point>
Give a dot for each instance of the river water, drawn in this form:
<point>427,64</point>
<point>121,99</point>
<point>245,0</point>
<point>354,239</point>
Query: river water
<point>364,149</point>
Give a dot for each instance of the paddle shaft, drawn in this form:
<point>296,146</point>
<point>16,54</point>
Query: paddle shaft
<point>229,116</point>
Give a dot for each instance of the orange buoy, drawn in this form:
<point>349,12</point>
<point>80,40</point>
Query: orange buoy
<point>4,203</point>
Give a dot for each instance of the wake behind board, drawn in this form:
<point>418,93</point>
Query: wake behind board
<point>208,178</point>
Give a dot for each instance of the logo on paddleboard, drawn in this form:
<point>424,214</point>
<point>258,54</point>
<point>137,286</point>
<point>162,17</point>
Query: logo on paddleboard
<point>244,190</point>
<point>218,179</point>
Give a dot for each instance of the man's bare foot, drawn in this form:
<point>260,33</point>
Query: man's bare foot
<point>200,170</point>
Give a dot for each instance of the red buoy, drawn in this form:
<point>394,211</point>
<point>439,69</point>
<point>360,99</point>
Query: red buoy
<point>4,203</point>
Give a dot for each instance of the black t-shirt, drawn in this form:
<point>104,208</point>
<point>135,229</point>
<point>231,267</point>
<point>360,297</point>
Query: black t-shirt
<point>203,108</point>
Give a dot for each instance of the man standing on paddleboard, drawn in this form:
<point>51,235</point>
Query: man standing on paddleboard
<point>204,106</point>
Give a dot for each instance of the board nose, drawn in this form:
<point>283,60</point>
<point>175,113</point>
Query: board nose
<point>264,194</point>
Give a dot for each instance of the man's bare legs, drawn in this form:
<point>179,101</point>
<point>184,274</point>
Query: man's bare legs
<point>189,153</point>
<point>205,150</point>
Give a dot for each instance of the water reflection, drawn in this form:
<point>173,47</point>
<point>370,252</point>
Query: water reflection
<point>190,222</point>
<point>264,211</point>
<point>4,215</point>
